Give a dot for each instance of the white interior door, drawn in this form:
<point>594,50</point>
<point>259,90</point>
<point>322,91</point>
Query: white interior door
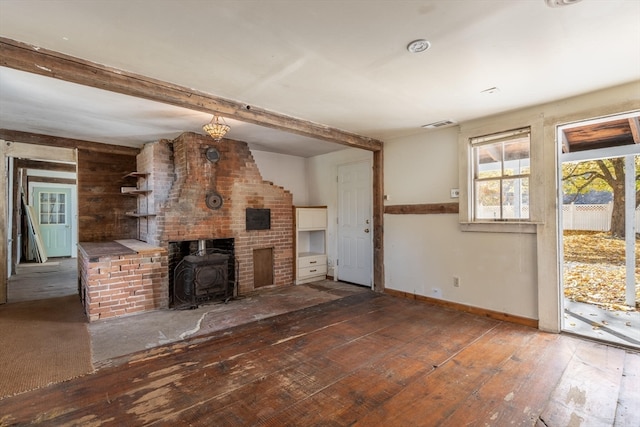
<point>54,215</point>
<point>355,228</point>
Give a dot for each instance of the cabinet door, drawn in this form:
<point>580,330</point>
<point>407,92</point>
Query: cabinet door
<point>312,218</point>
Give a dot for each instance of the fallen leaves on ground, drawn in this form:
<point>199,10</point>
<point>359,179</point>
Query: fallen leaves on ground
<point>594,270</point>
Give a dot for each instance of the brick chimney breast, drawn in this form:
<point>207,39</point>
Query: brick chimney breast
<point>181,177</point>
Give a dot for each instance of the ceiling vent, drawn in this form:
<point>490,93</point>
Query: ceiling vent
<point>560,3</point>
<point>440,124</point>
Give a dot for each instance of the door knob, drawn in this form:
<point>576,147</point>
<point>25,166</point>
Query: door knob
<point>366,230</point>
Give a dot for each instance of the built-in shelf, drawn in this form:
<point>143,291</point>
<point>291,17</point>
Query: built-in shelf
<point>141,191</point>
<point>135,192</point>
<point>310,243</point>
<point>137,175</point>
<point>139,215</point>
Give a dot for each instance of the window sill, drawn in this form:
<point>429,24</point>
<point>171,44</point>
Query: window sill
<point>527,227</point>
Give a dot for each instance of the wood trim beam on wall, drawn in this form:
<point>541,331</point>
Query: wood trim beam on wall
<point>378,219</point>
<point>49,180</point>
<point>45,166</point>
<point>33,59</point>
<point>54,141</point>
<point>422,209</point>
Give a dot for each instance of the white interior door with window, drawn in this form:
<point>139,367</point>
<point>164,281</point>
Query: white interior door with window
<point>355,230</point>
<point>54,212</point>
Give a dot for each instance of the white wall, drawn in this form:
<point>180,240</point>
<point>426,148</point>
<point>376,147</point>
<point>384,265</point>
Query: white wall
<point>285,171</point>
<point>515,273</point>
<point>313,182</point>
<point>423,252</point>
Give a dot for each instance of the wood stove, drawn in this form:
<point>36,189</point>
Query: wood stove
<point>202,276</point>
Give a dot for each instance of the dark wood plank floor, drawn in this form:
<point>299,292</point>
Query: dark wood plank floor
<point>363,360</point>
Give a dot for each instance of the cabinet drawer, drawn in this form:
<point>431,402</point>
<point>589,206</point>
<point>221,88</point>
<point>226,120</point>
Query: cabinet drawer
<point>312,261</point>
<point>320,270</point>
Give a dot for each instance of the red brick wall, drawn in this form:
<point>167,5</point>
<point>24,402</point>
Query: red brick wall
<point>181,178</point>
<point>114,286</point>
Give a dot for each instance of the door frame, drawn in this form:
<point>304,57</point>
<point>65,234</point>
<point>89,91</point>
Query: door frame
<point>73,214</point>
<point>602,153</point>
<point>371,176</point>
<point>26,151</point>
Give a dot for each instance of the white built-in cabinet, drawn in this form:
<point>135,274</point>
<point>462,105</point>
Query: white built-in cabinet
<point>310,243</point>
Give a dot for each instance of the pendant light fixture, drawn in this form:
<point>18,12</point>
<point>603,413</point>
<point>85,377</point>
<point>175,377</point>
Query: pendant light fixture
<point>217,128</point>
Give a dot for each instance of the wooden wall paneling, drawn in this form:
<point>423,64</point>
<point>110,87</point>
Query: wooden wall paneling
<point>101,205</point>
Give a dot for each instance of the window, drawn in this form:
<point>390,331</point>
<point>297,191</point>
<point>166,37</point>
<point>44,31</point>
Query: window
<point>52,208</point>
<point>501,170</point>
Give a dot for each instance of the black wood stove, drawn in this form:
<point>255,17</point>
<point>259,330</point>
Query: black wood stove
<point>200,278</point>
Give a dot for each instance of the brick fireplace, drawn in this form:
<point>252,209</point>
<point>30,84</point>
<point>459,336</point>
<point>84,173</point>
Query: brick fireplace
<point>198,196</point>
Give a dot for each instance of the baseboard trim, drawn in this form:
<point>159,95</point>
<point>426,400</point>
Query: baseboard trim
<point>525,321</point>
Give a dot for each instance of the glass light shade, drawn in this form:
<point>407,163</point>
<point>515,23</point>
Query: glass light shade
<point>216,129</point>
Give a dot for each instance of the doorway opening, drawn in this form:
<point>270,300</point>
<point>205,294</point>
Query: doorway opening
<point>599,191</point>
<point>42,230</point>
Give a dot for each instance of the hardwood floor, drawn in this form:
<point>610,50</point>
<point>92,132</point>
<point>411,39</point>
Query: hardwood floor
<point>363,360</point>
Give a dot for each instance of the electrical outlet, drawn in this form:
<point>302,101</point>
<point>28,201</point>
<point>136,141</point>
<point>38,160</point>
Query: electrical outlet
<point>455,193</point>
<point>436,292</point>
<point>456,282</point>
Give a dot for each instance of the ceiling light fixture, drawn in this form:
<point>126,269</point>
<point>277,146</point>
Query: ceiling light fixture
<point>216,129</point>
<point>418,46</point>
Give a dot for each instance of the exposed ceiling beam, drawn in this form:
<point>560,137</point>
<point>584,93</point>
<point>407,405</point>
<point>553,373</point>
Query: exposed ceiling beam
<point>33,59</point>
<point>38,139</point>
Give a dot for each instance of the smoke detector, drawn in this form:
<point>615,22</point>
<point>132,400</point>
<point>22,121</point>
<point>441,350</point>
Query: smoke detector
<point>560,3</point>
<point>440,124</point>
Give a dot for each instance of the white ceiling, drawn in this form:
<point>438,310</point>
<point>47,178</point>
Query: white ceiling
<point>340,63</point>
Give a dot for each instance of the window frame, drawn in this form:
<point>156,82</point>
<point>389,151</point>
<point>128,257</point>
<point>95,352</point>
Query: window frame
<point>487,127</point>
<point>476,143</point>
